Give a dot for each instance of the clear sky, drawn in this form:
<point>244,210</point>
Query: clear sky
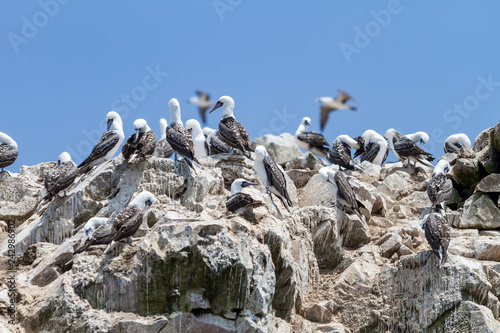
<point>410,65</point>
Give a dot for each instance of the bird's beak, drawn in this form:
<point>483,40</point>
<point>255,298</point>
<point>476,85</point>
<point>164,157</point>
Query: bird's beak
<point>330,181</point>
<point>216,106</point>
<point>307,123</point>
<point>190,131</point>
<point>421,142</point>
<point>109,122</point>
<point>245,184</point>
<point>147,204</point>
<point>136,138</point>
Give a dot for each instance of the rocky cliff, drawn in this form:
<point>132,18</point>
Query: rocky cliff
<point>198,268</point>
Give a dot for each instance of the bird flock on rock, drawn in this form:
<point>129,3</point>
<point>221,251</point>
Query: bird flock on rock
<point>192,143</point>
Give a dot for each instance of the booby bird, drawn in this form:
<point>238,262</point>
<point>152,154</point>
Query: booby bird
<point>311,141</point>
<point>203,102</point>
<point>163,148</point>
<point>8,151</point>
<point>406,149</point>
<point>239,200</point>
<point>122,225</point>
<point>108,145</point>
<point>376,151</point>
<point>418,137</point>
<point>60,177</point>
<point>393,136</point>
<point>456,141</point>
<point>341,189</point>
<point>177,136</point>
<point>438,235</point>
<point>215,145</point>
<point>271,176</point>
<point>93,224</point>
<point>141,144</point>
<point>439,188</point>
<point>340,151</point>
<point>330,104</point>
<point>200,143</point>
<point>230,130</point>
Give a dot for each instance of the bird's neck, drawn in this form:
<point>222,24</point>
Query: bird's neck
<point>350,141</point>
<point>302,128</point>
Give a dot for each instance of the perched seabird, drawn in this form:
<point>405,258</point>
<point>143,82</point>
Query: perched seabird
<point>8,151</point>
<point>418,137</point>
<point>163,148</point>
<point>393,136</point>
<point>177,136</point>
<point>122,225</point>
<point>93,224</point>
<point>271,176</point>
<point>239,200</point>
<point>108,145</point>
<point>203,102</point>
<point>215,145</point>
<point>60,177</point>
<point>341,189</point>
<point>439,188</point>
<point>340,152</point>
<point>141,144</point>
<point>405,149</point>
<point>200,143</point>
<point>230,130</point>
<point>329,104</point>
<point>456,141</point>
<point>311,141</point>
<point>438,235</point>
<point>376,151</point>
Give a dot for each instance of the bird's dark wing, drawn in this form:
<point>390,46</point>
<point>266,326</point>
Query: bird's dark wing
<point>340,154</point>
<point>438,234</point>
<point>277,178</point>
<point>439,189</point>
<point>106,143</point>
<point>343,97</point>
<point>203,95</point>
<point>125,217</point>
<point>130,146</point>
<point>239,200</point>
<point>163,149</point>
<point>372,150</point>
<point>103,234</point>
<point>203,113</point>
<point>452,147</point>
<point>61,177</point>
<point>180,140</point>
<point>234,134</point>
<point>146,145</point>
<point>8,155</point>
<point>405,148</point>
<point>345,190</point>
<point>314,139</point>
<point>325,111</point>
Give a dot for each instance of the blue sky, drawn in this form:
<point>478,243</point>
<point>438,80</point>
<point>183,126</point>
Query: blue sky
<point>410,65</point>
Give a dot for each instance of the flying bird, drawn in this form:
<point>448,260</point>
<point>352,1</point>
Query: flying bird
<point>200,143</point>
<point>238,200</point>
<point>375,151</point>
<point>230,130</point>
<point>341,189</point>
<point>108,145</point>
<point>203,101</point>
<point>181,141</point>
<point>163,148</point>
<point>141,144</point>
<point>340,151</point>
<point>438,235</point>
<point>93,224</point>
<point>271,176</point>
<point>454,142</point>
<point>60,177</point>
<point>8,151</point>
<point>329,104</point>
<point>311,141</point>
<point>440,188</point>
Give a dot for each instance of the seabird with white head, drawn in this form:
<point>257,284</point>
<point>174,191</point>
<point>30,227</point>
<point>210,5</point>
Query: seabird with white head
<point>181,141</point>
<point>141,144</point>
<point>393,136</point>
<point>163,148</point>
<point>200,143</point>
<point>311,141</point>
<point>440,188</point>
<point>418,137</point>
<point>203,101</point>
<point>238,200</point>
<point>438,235</point>
<point>8,151</point>
<point>375,151</point>
<point>230,130</point>
<point>271,176</point>
<point>93,224</point>
<point>340,151</point>
<point>406,149</point>
<point>454,142</point>
<point>215,145</point>
<point>60,177</point>
<point>108,145</point>
<point>329,104</point>
<point>341,189</point>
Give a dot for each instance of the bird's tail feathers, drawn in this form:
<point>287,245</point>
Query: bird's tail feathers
<point>424,162</point>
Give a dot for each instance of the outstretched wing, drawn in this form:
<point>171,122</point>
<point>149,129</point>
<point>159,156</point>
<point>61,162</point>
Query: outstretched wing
<point>343,97</point>
<point>325,111</point>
